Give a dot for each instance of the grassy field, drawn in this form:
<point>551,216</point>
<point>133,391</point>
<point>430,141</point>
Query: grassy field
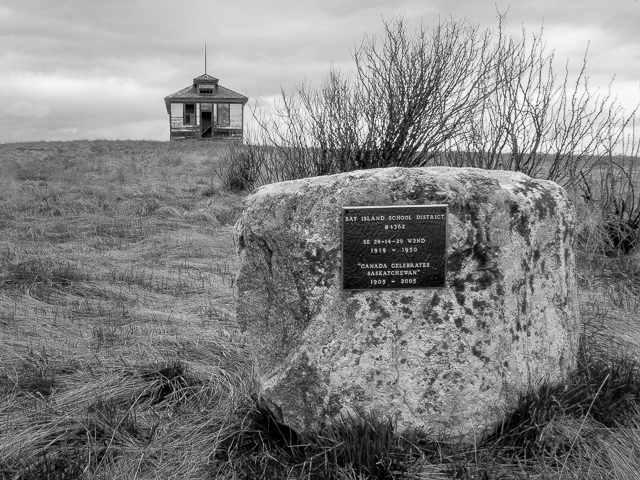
<point>120,358</point>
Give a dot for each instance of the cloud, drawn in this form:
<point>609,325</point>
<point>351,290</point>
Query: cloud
<point>98,65</point>
<point>22,108</point>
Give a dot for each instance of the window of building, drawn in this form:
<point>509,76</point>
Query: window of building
<point>206,88</point>
<point>189,114</point>
<point>223,114</point>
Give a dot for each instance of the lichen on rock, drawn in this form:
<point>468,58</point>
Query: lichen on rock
<point>452,359</point>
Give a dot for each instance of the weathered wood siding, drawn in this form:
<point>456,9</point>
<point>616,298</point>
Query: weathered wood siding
<point>177,115</point>
<point>235,115</point>
<point>233,130</point>
<point>178,128</point>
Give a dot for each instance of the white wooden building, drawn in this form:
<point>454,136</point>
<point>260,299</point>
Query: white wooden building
<point>205,110</point>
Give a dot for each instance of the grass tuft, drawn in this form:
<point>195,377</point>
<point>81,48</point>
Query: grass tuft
<point>42,278</point>
<point>607,394</point>
<point>364,446</point>
<point>64,464</point>
<point>168,381</point>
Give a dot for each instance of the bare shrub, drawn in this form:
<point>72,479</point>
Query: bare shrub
<point>409,94</point>
<point>614,189</point>
<point>240,168</point>
<point>536,122</point>
<point>453,95</point>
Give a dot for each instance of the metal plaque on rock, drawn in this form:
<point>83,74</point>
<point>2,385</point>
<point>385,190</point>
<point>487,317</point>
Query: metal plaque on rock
<point>394,247</point>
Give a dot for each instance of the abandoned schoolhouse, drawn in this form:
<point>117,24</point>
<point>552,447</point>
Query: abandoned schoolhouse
<point>205,110</point>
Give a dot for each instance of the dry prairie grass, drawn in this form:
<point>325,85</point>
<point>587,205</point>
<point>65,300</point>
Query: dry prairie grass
<point>120,358</point>
<point>118,354</point>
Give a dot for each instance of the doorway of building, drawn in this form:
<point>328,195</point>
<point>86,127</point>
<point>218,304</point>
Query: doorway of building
<point>207,131</point>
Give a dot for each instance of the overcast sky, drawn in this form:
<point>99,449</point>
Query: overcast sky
<point>89,69</point>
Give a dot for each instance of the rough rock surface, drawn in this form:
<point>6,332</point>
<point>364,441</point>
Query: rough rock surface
<point>449,360</point>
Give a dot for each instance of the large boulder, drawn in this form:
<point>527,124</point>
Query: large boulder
<point>450,359</point>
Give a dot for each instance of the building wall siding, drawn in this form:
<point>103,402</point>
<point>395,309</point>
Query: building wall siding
<point>177,115</point>
<point>235,115</point>
<point>179,130</point>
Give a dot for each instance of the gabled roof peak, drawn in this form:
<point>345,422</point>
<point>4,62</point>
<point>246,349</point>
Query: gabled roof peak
<point>205,78</point>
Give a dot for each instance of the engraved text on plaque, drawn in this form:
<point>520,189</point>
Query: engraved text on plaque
<point>394,247</point>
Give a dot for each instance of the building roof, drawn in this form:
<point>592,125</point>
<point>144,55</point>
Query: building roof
<point>221,94</point>
<point>204,78</point>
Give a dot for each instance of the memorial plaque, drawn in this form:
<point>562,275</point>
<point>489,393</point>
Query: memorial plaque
<point>394,247</point>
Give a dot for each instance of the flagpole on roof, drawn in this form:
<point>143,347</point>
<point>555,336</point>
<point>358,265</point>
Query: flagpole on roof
<point>205,58</point>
